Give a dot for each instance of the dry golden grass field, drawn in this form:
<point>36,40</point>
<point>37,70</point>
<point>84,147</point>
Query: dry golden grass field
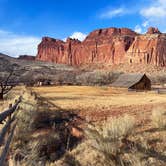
<point>100,104</point>
<point>76,97</point>
<point>100,101</point>
<point>113,125</point>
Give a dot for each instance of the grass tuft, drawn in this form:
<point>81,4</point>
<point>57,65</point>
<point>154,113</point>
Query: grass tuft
<point>159,117</point>
<point>108,139</point>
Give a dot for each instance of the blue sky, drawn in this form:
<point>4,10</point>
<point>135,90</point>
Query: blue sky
<point>23,23</point>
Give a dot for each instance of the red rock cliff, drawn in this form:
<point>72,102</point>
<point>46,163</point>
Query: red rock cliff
<point>111,45</point>
<point>148,49</point>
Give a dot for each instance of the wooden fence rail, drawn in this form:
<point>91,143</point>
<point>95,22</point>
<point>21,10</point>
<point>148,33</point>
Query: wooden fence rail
<point>6,116</point>
<point>5,129</point>
<point>9,111</point>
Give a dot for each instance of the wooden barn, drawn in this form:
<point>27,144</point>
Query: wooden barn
<point>133,81</point>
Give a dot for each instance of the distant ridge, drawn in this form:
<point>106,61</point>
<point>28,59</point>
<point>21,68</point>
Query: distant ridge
<point>26,57</point>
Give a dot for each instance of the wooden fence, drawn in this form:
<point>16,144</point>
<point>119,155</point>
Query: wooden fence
<point>8,129</point>
<point>161,91</point>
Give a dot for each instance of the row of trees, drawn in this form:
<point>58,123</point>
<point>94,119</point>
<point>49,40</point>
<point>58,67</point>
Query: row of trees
<point>10,79</point>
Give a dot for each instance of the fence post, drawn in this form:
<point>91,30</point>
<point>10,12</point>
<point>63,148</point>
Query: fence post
<point>8,129</point>
<point>34,94</point>
<point>9,119</point>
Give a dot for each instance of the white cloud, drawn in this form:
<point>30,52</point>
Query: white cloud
<point>138,29</point>
<point>156,12</point>
<point>14,44</point>
<point>145,24</point>
<point>113,13</point>
<point>78,35</point>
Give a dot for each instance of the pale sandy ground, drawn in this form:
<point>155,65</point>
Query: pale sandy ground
<point>75,97</point>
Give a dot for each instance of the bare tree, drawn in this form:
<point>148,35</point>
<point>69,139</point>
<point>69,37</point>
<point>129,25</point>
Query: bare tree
<point>6,83</point>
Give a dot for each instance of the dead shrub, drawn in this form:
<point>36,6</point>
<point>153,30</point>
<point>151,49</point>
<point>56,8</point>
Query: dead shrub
<point>108,139</point>
<point>119,127</point>
<point>43,149</point>
<point>159,117</point>
<point>68,160</point>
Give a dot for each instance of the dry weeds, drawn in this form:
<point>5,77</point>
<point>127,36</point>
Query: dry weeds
<point>159,117</point>
<point>108,139</point>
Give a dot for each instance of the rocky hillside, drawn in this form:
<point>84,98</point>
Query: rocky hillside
<point>107,46</point>
<point>6,61</point>
<point>26,57</point>
<point>30,71</point>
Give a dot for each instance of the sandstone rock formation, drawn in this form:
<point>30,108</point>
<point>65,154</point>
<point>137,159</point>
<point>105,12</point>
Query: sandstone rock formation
<point>148,49</point>
<point>108,46</point>
<point>152,30</point>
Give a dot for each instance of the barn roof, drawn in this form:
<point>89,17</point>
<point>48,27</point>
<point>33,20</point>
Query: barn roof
<point>127,80</point>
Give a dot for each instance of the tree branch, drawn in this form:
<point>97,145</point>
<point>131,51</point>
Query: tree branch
<point>6,90</point>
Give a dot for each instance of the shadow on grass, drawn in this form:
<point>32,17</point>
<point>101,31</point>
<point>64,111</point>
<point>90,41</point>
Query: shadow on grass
<point>70,160</point>
<point>152,130</point>
<point>64,98</point>
<point>155,130</point>
<point>50,119</point>
<point>60,120</point>
<point>59,114</point>
<point>147,152</point>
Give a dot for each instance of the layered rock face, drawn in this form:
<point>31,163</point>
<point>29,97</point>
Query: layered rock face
<point>148,49</point>
<point>109,46</point>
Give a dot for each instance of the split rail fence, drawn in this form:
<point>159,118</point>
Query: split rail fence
<point>7,131</point>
